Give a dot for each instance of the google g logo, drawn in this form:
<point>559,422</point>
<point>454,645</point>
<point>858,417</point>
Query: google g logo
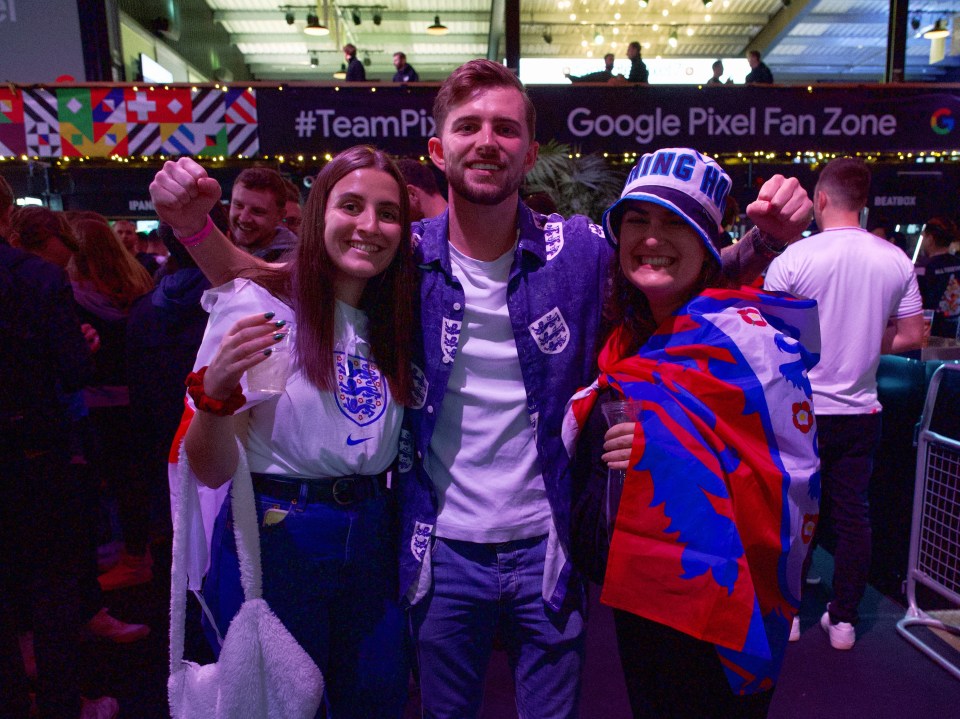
<point>941,121</point>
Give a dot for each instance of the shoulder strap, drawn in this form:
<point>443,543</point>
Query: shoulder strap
<point>245,532</point>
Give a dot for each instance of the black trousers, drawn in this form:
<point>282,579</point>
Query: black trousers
<point>39,584</point>
<point>671,675</point>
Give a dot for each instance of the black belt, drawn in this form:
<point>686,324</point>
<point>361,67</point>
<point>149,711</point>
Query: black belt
<point>339,490</point>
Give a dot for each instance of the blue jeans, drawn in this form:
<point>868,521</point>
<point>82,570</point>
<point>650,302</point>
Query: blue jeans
<point>847,446</point>
<point>329,574</point>
<point>483,590</point>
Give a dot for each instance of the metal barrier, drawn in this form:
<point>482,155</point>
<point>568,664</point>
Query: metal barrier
<point>935,534</point>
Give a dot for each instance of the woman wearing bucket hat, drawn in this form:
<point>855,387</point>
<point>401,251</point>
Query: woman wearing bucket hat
<point>721,488</point>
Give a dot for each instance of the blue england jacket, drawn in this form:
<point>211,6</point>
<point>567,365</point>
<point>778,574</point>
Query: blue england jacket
<point>554,296</point>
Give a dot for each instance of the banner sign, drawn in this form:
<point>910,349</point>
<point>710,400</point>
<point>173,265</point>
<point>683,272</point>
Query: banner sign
<point>67,121</point>
<point>629,118</point>
<point>308,119</point>
<point>126,121</point>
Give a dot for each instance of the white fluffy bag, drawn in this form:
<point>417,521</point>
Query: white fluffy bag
<point>263,673</point>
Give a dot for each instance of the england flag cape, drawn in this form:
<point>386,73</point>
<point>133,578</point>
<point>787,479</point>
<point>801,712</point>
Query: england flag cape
<point>722,492</point>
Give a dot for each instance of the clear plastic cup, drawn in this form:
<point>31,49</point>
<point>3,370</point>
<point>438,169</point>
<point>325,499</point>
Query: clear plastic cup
<point>270,376</point>
<point>617,412</point>
<point>928,316</point>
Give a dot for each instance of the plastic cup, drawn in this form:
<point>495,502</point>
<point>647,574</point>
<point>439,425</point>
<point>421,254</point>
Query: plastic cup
<point>270,376</point>
<point>617,412</point>
<point>928,316</point>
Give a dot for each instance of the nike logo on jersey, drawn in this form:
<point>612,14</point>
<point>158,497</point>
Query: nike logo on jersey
<point>351,442</point>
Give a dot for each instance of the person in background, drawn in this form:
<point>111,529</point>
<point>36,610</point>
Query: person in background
<point>426,199</point>
<point>318,452</point>
<point>405,71</point>
<point>638,68</point>
<point>106,280</point>
<point>717,68</point>
<point>939,278</point>
<point>257,206</point>
<point>731,215</point>
<point>844,266</point>
<point>759,73</point>
<point>604,75</point>
<point>126,232</point>
<point>47,234</point>
<point>720,584</point>
<point>355,69</point>
<point>39,496</point>
<point>292,212</point>
<point>44,233</point>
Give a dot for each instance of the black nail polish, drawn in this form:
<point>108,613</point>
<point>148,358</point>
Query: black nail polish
<point>267,352</point>
<point>269,315</point>
<point>278,336</point>
<point>279,323</point>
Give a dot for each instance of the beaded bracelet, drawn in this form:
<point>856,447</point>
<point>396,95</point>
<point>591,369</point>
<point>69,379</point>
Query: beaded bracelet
<point>196,239</point>
<point>221,408</point>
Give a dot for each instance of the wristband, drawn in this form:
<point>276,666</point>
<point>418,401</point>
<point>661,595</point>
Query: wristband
<point>221,408</point>
<point>764,242</point>
<point>196,239</point>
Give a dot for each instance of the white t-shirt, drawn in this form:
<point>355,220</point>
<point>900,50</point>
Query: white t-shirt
<point>860,282</point>
<point>483,454</point>
<point>305,432</point>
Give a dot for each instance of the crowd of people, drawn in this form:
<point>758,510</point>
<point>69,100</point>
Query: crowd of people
<point>433,480</point>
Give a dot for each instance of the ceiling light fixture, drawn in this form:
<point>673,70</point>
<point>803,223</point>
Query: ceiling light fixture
<point>377,18</point>
<point>314,61</point>
<point>598,38</point>
<point>314,27</point>
<point>644,3</point>
<point>938,31</point>
<point>355,16</point>
<point>707,3</point>
<point>672,39</point>
<point>915,23</point>
<point>289,17</point>
<point>547,36</point>
<point>437,28</point>
<point>341,74</point>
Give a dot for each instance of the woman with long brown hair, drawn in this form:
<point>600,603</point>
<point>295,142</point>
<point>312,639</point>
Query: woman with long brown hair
<point>106,280</point>
<point>319,451</point>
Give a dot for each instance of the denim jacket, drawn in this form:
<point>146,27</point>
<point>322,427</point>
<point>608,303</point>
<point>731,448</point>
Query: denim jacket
<point>554,296</point>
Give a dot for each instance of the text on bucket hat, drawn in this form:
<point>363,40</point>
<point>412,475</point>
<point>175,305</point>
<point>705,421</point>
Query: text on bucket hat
<point>682,180</point>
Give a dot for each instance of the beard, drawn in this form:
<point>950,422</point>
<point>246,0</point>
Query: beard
<point>482,193</point>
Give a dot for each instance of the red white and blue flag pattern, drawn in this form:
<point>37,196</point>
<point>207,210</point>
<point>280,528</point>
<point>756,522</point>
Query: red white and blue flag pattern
<point>723,485</point>
<point>128,121</point>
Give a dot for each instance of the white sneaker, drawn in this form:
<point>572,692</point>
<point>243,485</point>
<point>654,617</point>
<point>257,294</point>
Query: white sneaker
<point>795,629</point>
<point>842,634</point>
<point>102,708</point>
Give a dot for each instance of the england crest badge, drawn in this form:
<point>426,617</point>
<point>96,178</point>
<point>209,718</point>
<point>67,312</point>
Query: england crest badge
<point>360,388</point>
<point>553,238</point>
<point>551,332</point>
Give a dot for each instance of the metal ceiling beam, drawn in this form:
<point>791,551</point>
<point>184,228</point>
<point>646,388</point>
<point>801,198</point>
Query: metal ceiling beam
<point>379,39</point>
<point>780,25</point>
<point>540,19</point>
<point>497,29</point>
<point>387,15</point>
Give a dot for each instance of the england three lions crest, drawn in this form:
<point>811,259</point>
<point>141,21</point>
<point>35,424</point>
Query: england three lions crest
<point>553,238</point>
<point>551,332</point>
<point>360,388</point>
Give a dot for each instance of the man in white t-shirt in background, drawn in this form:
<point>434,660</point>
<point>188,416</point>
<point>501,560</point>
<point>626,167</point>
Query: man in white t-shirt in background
<point>869,305</point>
